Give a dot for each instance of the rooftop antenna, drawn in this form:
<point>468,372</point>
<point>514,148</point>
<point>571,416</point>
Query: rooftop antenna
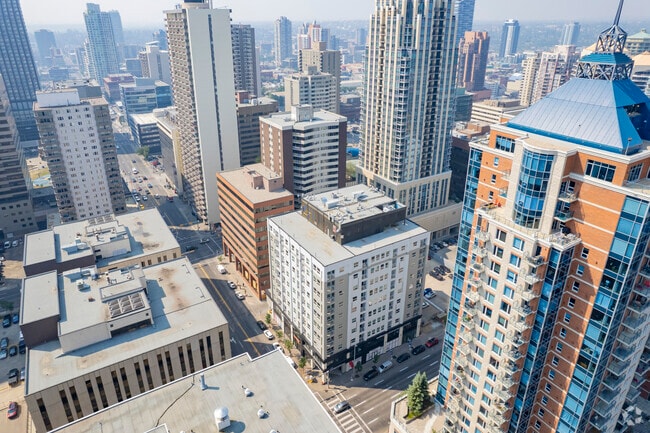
<point>612,40</point>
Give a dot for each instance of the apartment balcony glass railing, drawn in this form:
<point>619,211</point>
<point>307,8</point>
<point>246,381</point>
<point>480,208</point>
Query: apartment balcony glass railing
<point>629,338</point>
<point>535,260</point>
<point>639,306</point>
<point>481,252</point>
<point>618,367</point>
<point>482,235</point>
<point>532,278</point>
<point>568,197</point>
<point>603,409</point>
<point>633,322</point>
<point>563,216</point>
<point>599,422</point>
<point>645,271</point>
<point>623,353</point>
<point>642,289</point>
<point>504,395</point>
<point>613,382</point>
<point>526,292</point>
<point>521,325</point>
<point>472,296</point>
<point>523,310</point>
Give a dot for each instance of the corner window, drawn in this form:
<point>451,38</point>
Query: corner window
<point>600,170</point>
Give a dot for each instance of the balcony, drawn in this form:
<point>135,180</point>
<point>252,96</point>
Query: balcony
<point>645,271</point>
<point>472,296</point>
<point>618,368</point>
<point>503,192</point>
<point>633,322</point>
<point>496,418</point>
<point>478,268</point>
<point>623,354</point>
<point>632,394</point>
<point>461,361</point>
<point>516,340</point>
<point>568,197</point>
<point>628,338</point>
<point>521,326</point>
<point>506,380</point>
<point>524,310</point>
<point>505,175</point>
<point>504,395</point>
<point>599,422</point>
<point>603,409</point>
<point>535,260</point>
<point>563,215</point>
<point>642,290</point>
<point>514,354</point>
<point>481,252</point>
<point>607,396</point>
<point>526,292</point>
<point>476,282</point>
<point>532,278</point>
<point>464,349</point>
<point>482,236</point>
<point>613,382</point>
<point>512,367</point>
<point>466,335</point>
<point>453,405</point>
<point>640,307</point>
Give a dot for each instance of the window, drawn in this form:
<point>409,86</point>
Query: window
<point>571,303</point>
<point>515,260</point>
<point>634,173</point>
<point>487,311</point>
<point>488,387</point>
<point>496,349</point>
<point>504,143</point>
<point>551,374</point>
<point>541,412</point>
<point>495,267</point>
<point>544,400</point>
<point>576,286</point>
<point>499,335</point>
<point>600,170</point>
<point>498,252</point>
<point>511,276</point>
<point>491,195</point>
<point>508,292</point>
<point>496,161</point>
<point>538,424</point>
<point>489,297</point>
<point>518,244</point>
<point>585,253</point>
<point>501,235</point>
<point>503,321</point>
<point>547,387</point>
<point>580,270</point>
<point>559,347</point>
<point>563,332</point>
<point>493,179</point>
<point>567,317</point>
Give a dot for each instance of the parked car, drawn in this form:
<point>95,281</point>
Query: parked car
<point>3,353</point>
<point>370,374</point>
<point>240,296</point>
<point>341,407</point>
<point>204,240</point>
<point>438,277</point>
<point>21,347</point>
<point>269,334</point>
<point>431,342</point>
<point>4,343</point>
<point>261,325</point>
<point>418,349</point>
<point>232,285</point>
<point>14,244</point>
<point>445,268</point>
<point>386,365</point>
<point>22,374</point>
<point>403,357</point>
<point>6,321</point>
<point>13,350</point>
<point>221,269</point>
<point>190,248</point>
<point>12,411</point>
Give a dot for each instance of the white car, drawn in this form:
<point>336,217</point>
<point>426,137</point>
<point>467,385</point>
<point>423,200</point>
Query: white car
<point>221,269</point>
<point>232,285</point>
<point>240,296</point>
<point>269,334</point>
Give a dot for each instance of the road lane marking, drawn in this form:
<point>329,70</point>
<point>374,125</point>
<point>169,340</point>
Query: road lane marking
<point>377,383</point>
<point>373,420</point>
<point>385,390</point>
<point>372,408</point>
<point>434,363</point>
<point>228,308</point>
<point>408,377</point>
<point>404,369</point>
<point>425,357</point>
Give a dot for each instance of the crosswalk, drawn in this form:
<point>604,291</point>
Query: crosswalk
<point>349,421</point>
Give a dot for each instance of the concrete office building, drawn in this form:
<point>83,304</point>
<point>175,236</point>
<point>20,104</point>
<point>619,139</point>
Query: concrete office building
<point>320,90</point>
<point>107,242</point>
<point>144,128</point>
<point>548,315</point>
<point>638,43</point>
<point>249,112</point>
<point>493,110</point>
<point>112,83</point>
<point>407,111</point>
<point>155,63</point>
<point>306,148</point>
<point>546,71</point>
<point>45,41</point>
<point>78,145</point>
<point>248,196</point>
<point>204,96</point>
<point>244,56</point>
<point>282,41</point>
<point>472,60</point>
<point>103,57</point>
<point>16,213</point>
<point>289,406</point>
<point>325,61</point>
<point>143,96</point>
<point>134,329</point>
<point>464,12</point>
<point>570,34</point>
<point>18,69</point>
<point>346,275</point>
<point>170,148</point>
<point>509,38</point>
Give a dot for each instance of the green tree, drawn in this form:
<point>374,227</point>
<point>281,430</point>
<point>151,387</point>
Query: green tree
<point>288,344</point>
<point>359,367</point>
<point>375,359</point>
<point>280,334</point>
<point>143,151</point>
<point>267,318</point>
<point>417,394</point>
<point>302,362</point>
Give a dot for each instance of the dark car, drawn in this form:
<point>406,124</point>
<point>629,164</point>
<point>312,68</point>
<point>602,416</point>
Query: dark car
<point>12,411</point>
<point>13,350</point>
<point>438,277</point>
<point>4,343</point>
<point>341,406</point>
<point>6,321</point>
<point>445,268</point>
<point>372,373</point>
<point>403,357</point>
<point>190,248</point>
<point>431,342</point>
<point>15,318</point>
<point>418,349</point>
<point>261,325</point>
<point>21,347</point>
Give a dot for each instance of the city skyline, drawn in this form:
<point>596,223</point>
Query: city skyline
<point>247,11</point>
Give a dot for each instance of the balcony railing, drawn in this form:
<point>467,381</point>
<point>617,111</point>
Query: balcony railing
<point>496,418</point>
<point>503,192</point>
<point>521,326</point>
<point>524,310</point>
<point>473,296</point>
<point>607,396</point>
<point>603,409</point>
<point>645,271</point>
<point>599,422</point>
<point>532,278</point>
<point>643,290</point>
<point>512,367</point>
<point>481,252</point>
<point>526,292</point>
<point>482,235</point>
<point>633,322</point>
<point>563,216</point>
<point>568,197</point>
<point>640,307</point>
<point>514,354</point>
<point>629,338</point>
<point>516,340</point>
<point>504,395</point>
<point>622,353</point>
<point>506,380</point>
<point>505,175</point>
<point>613,382</point>
<point>617,367</point>
<point>466,335</point>
<point>478,267</point>
<point>535,260</point>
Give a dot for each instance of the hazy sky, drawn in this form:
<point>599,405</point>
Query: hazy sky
<point>148,13</point>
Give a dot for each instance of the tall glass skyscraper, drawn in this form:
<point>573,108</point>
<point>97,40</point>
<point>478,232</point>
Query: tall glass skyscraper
<point>282,40</point>
<point>17,68</point>
<point>464,11</point>
<point>509,38</point>
<point>407,108</point>
<point>103,58</point>
<point>549,312</point>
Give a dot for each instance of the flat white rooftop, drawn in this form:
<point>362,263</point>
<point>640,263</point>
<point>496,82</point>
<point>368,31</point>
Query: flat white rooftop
<point>182,406</point>
<point>181,307</point>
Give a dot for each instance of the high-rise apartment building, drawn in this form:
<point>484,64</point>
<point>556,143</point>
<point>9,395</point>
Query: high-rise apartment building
<point>17,68</point>
<point>638,43</point>
<point>249,111</point>
<point>155,63</point>
<point>160,36</point>
<point>509,38</point>
<point>549,306</point>
<point>16,213</point>
<point>570,34</point>
<point>248,196</point>
<point>247,76</point>
<point>320,90</point>
<point>78,145</point>
<point>282,41</point>
<point>306,148</point>
<point>464,12</point>
<point>45,41</point>
<point>546,71</point>
<point>472,60</point>
<point>355,289</point>
<point>203,83</point>
<point>326,61</point>
<point>103,57</point>
<point>407,110</point>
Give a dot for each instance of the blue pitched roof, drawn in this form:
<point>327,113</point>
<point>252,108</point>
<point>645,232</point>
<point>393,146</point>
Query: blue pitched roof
<point>591,113</point>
